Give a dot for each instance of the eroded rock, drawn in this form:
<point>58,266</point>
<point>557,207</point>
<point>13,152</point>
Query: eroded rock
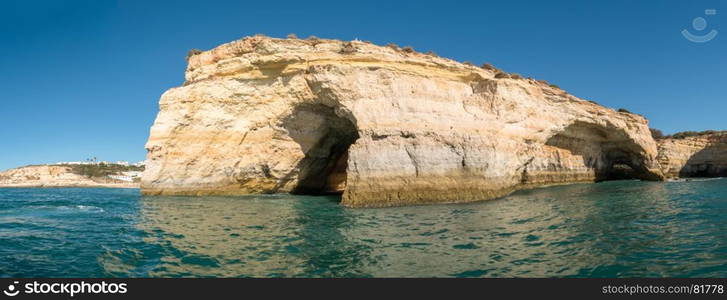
<point>383,126</point>
<point>696,156</point>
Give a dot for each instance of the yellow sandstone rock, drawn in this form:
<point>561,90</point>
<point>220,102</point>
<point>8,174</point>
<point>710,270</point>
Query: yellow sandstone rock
<point>697,156</point>
<point>383,126</point>
<point>55,176</point>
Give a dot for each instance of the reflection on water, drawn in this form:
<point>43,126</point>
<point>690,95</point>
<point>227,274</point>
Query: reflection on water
<point>610,229</point>
<point>269,236</point>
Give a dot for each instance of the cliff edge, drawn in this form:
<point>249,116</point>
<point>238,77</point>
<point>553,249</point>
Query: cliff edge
<point>384,126</point>
<point>55,176</point>
<point>703,155</point>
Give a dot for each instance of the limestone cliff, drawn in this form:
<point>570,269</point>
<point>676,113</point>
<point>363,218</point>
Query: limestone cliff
<point>54,176</point>
<point>383,125</point>
<point>696,156</point>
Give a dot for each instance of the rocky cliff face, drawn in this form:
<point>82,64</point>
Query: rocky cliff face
<point>382,125</point>
<point>697,156</point>
<point>53,176</point>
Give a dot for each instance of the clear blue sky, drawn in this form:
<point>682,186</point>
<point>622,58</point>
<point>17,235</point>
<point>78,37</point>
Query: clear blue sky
<point>82,78</point>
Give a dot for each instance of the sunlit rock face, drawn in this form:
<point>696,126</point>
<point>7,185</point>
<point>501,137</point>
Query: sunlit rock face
<point>697,156</point>
<point>38,176</point>
<point>55,176</point>
<point>383,126</point>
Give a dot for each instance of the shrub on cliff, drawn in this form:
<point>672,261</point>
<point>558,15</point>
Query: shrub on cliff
<point>623,110</point>
<point>101,169</point>
<point>489,66</point>
<point>499,73</point>
<point>408,49</point>
<point>502,75</point>
<point>192,52</point>
<point>314,40</point>
<point>656,133</point>
<point>686,134</point>
<point>347,48</point>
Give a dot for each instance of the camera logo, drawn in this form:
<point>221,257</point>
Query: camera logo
<point>12,291</point>
<point>699,24</point>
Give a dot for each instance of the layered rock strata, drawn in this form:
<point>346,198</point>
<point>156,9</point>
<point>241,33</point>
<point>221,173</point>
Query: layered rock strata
<point>382,125</point>
<point>697,156</point>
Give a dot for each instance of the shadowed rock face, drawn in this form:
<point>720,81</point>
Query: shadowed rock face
<point>698,156</point>
<point>325,139</point>
<point>590,152</point>
<point>382,126</point>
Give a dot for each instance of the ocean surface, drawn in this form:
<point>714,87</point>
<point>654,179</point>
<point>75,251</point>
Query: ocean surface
<point>609,229</point>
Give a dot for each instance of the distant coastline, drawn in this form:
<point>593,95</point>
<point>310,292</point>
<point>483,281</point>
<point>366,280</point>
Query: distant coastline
<point>74,174</point>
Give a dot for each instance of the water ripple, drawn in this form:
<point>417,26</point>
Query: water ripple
<point>610,229</point>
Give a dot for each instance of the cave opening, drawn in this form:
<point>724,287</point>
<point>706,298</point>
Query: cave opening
<point>704,170</point>
<point>325,136</point>
<point>606,153</point>
<point>616,167</point>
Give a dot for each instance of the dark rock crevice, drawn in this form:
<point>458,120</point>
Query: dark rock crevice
<point>607,152</point>
<point>325,139</point>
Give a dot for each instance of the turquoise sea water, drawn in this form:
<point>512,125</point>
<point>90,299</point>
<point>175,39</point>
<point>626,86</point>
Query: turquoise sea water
<point>610,229</point>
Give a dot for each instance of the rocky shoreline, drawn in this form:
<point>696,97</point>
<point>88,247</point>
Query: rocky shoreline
<point>46,176</point>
